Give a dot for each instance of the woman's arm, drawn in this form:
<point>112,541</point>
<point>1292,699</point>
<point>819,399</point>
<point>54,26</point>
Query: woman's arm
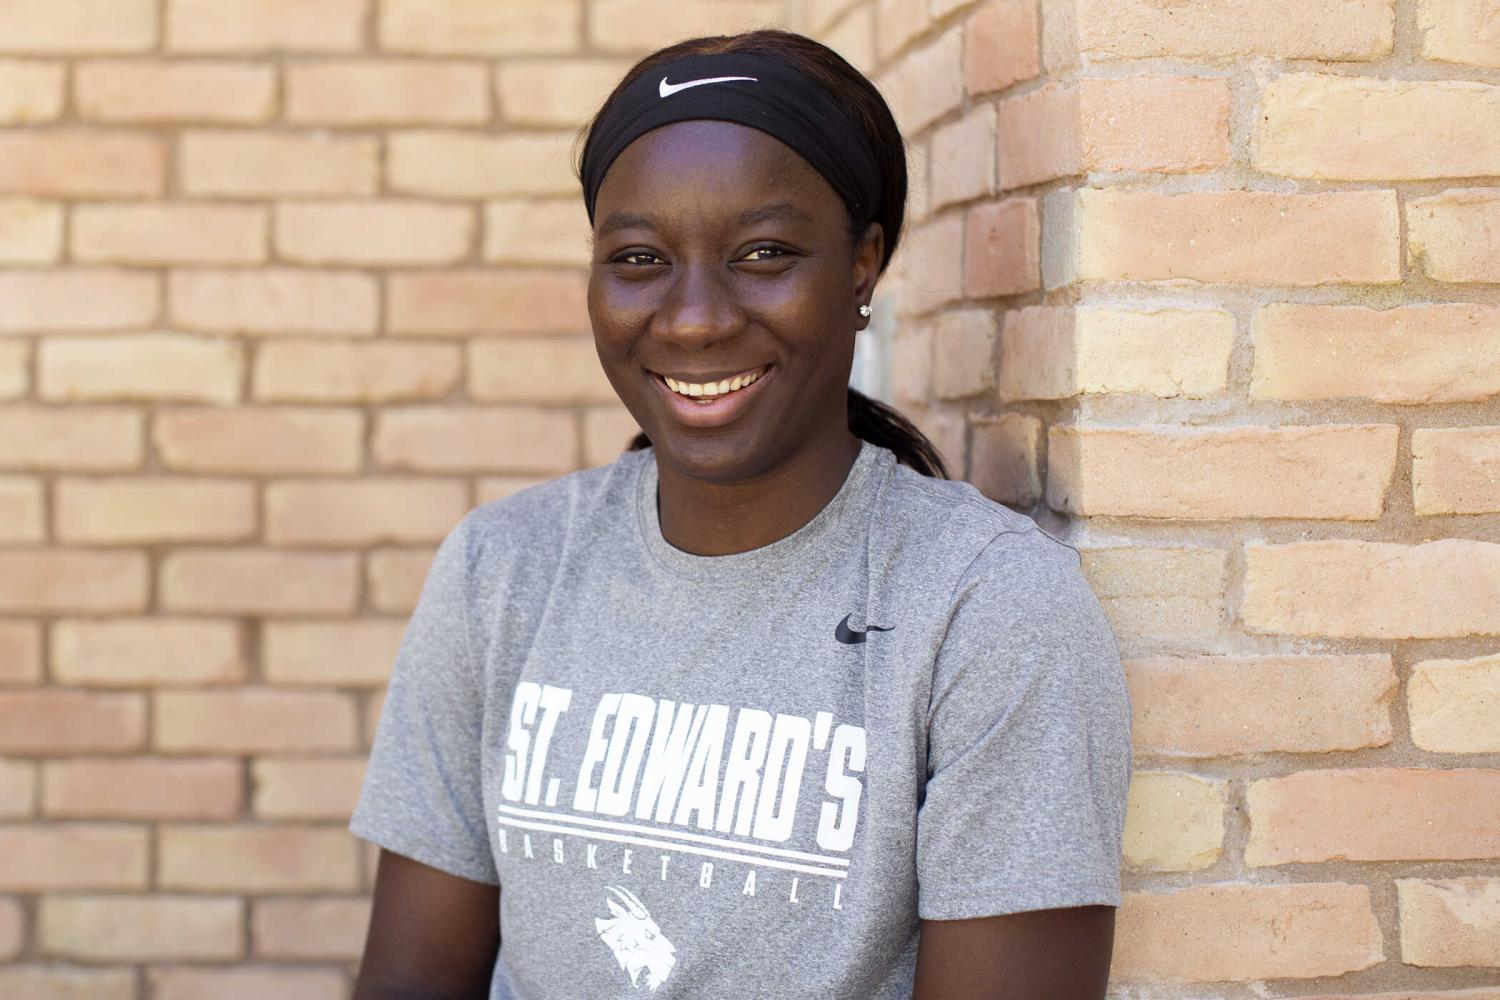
<point>433,936</point>
<point>1057,954</point>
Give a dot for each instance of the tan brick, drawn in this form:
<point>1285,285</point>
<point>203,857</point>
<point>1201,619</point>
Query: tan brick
<point>18,784</point>
<point>1319,471</point>
<point>1004,458</point>
<point>1373,814</point>
<point>261,25</point>
<point>853,37</point>
<point>307,788</point>
<point>476,165</point>
<point>31,91</point>
<point>1159,594</point>
<point>1278,29</point>
<point>489,439</point>
<point>250,983</point>
<point>77,25</point>
<point>1252,237</point>
<point>271,440</point>
<point>1452,705</point>
<point>1002,248</point>
<point>1479,994</point>
<point>1359,128</point>
<point>930,258</point>
<point>369,511</point>
<point>269,858</point>
<point>35,857</point>
<point>537,370</point>
<point>480,27</point>
<point>1161,124</point>
<point>1459,31</point>
<point>1211,706</point>
<point>57,982</point>
<point>1231,931</point>
<point>270,164</point>
<point>168,234</point>
<point>53,720</point>
<point>273,301</point>
<point>387,92</point>
<point>343,653</point>
<point>963,353</point>
<point>644,25</point>
<point>1456,470</point>
<point>374,705</point>
<point>554,92</point>
<point>31,231</point>
<point>488,301</point>
<point>20,652</point>
<point>155,90</point>
<point>1450,922</point>
<point>963,158</point>
<point>15,368</point>
<point>911,363</point>
<point>12,929</point>
<point>896,24</point>
<point>39,581</point>
<point>1002,45</point>
<point>927,83</point>
<point>1448,236</point>
<point>137,509</point>
<point>330,927</point>
<point>253,720</point>
<point>1349,588</point>
<point>1439,353</point>
<point>95,438</point>
<point>147,366</point>
<point>607,430</point>
<point>381,372</point>
<point>77,163</point>
<point>525,231</point>
<point>140,928</point>
<point>945,429</point>
<point>154,651</point>
<point>1174,821</point>
<point>373,233</point>
<point>394,577</point>
<point>817,15</point>
<point>79,298</point>
<point>604,448</point>
<point>22,509</point>
<point>252,581</point>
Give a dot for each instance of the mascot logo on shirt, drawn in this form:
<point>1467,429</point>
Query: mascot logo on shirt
<point>635,939</point>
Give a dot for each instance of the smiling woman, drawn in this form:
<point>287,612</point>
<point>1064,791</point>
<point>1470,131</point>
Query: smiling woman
<point>767,706</point>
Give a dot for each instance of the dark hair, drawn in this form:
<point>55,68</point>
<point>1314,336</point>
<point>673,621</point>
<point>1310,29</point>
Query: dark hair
<point>869,419</point>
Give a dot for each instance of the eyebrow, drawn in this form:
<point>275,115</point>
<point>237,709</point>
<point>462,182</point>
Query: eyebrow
<point>781,210</point>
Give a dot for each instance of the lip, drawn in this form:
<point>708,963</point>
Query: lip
<point>721,411</point>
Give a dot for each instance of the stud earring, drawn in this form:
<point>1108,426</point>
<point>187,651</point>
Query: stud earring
<point>865,310</point>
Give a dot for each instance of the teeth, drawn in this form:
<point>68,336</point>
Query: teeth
<point>713,388</point>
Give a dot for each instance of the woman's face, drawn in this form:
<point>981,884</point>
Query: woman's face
<point>718,251</point>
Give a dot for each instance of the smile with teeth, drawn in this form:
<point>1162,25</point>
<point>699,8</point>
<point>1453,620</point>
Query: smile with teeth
<point>706,391</point>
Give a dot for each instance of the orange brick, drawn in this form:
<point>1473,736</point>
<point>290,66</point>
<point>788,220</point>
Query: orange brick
<point>931,256</point>
<point>1004,458</point>
<point>259,439</point>
<point>168,234</point>
<point>1450,922</point>
<point>80,298</point>
<point>388,92</point>
<point>35,857</point>
<point>1454,470</point>
<point>273,300</point>
<point>52,720</point>
<point>58,982</point>
<point>95,438</point>
<point>18,784</point>
<point>1450,704</point>
<point>140,928</point>
<point>12,929</point>
<point>30,231</point>
<point>488,301</point>
<point>1373,814</point>
<point>537,370</point>
<point>191,983</point>
<point>22,509</point>
<point>31,91</point>
<point>348,652</point>
<point>148,366</point>
<point>526,231</point>
<point>373,233</point>
<point>963,158</point>
<point>1447,235</point>
<point>146,652</point>
<point>255,581</point>
<point>490,439</point>
<point>20,652</point>
<point>307,788</point>
<point>142,788</point>
<point>261,25</point>
<point>138,509</point>
<point>1407,354</point>
<point>1002,45</point>
<point>555,92</point>
<point>329,927</point>
<point>154,90</point>
<point>1002,248</point>
<point>1210,706</point>
<point>367,512</point>
<point>261,858</point>
<point>252,720</point>
<point>394,577</point>
<point>475,165</point>
<point>379,372</point>
<point>1278,29</point>
<point>74,163</point>
<point>643,25</point>
<point>1230,931</point>
<point>1459,31</point>
<point>477,27</point>
<point>926,84</point>
<point>77,25</point>
<point>1162,124</point>
<point>1251,237</point>
<point>270,164</point>
<point>40,581</point>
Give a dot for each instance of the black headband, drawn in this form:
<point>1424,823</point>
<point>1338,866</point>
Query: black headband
<point>753,90</point>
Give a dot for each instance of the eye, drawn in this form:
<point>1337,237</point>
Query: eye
<point>764,253</point>
<point>637,258</point>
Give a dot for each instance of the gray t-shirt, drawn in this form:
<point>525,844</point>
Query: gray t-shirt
<point>751,775</point>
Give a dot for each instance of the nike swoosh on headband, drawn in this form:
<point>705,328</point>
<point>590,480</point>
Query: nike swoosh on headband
<point>668,89</point>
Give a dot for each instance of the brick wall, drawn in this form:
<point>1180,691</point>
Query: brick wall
<point>1210,288</point>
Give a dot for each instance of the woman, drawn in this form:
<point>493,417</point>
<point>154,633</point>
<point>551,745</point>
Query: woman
<point>768,706</point>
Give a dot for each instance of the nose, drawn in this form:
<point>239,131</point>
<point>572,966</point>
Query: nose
<point>699,306</point>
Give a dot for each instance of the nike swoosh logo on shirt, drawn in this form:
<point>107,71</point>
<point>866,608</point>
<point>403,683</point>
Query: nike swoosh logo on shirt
<point>668,89</point>
<point>851,637</point>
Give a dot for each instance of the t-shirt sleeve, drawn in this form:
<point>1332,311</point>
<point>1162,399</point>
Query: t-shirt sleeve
<point>1029,752</point>
<point>422,792</point>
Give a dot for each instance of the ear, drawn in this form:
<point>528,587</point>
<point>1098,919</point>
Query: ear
<point>868,254</point>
